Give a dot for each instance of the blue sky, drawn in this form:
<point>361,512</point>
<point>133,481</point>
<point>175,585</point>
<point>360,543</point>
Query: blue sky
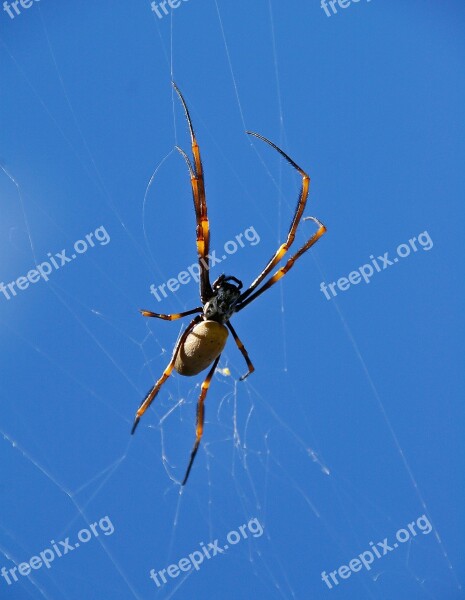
<point>348,438</point>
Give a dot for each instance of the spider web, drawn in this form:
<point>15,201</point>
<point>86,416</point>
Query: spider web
<point>85,358</point>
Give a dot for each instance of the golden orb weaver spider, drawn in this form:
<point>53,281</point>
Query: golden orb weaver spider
<point>205,337</point>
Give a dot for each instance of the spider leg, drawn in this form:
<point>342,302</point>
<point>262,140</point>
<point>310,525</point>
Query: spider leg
<point>200,418</point>
<point>281,251</point>
<point>172,317</point>
<point>147,401</point>
<point>200,206</point>
<point>244,352</point>
<point>289,264</point>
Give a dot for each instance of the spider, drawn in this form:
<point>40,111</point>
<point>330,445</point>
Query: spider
<point>203,340</point>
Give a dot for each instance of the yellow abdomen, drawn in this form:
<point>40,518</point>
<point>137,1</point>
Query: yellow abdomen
<point>203,344</point>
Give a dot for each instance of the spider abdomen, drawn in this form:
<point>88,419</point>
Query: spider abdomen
<point>202,346</point>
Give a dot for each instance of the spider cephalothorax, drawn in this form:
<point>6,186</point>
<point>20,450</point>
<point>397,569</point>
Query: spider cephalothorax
<point>222,304</point>
<point>203,340</point>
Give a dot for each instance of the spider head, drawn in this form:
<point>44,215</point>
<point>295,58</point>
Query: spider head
<point>222,304</point>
